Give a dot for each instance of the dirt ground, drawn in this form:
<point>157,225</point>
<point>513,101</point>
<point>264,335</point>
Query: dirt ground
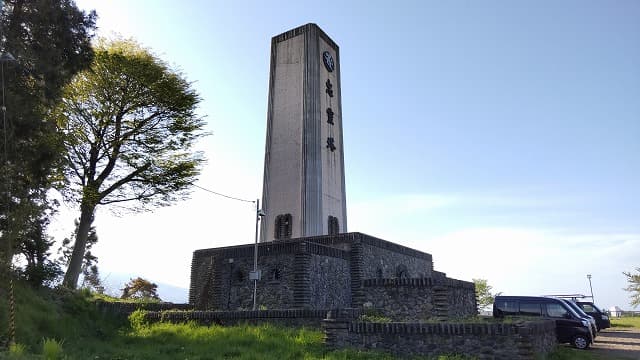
<point>617,343</point>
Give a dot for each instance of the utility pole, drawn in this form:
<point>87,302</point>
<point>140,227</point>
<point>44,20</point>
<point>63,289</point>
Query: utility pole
<point>590,287</point>
<point>256,274</point>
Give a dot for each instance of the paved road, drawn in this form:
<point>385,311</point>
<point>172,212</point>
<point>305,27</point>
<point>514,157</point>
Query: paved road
<point>617,343</point>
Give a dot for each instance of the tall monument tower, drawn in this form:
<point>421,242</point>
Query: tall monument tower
<point>303,190</point>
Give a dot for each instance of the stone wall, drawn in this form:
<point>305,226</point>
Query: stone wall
<point>275,290</point>
<point>295,274</point>
<point>401,299</point>
<point>527,340</point>
<point>420,299</point>
<point>382,262</point>
<point>289,317</point>
<point>461,297</point>
<point>330,282</point>
<point>327,272</point>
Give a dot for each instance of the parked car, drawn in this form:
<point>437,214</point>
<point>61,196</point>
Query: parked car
<point>602,320</point>
<point>570,327</point>
<point>582,314</point>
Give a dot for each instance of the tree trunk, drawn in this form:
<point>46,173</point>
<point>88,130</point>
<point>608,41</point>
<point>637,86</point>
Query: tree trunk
<point>79,247</point>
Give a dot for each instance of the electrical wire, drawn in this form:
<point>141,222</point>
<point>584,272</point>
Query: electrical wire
<point>223,195</point>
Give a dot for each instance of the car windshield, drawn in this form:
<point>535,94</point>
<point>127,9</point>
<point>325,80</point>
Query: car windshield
<point>597,308</point>
<point>570,308</point>
<point>576,308</point>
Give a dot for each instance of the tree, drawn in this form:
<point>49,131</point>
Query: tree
<point>129,126</point>
<point>634,286</point>
<point>483,293</point>
<point>50,41</point>
<point>91,279</point>
<point>140,288</point>
<point>89,269</point>
<point>34,246</point>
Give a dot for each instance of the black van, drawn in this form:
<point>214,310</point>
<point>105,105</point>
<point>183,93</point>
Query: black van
<point>570,328</point>
<point>602,320</point>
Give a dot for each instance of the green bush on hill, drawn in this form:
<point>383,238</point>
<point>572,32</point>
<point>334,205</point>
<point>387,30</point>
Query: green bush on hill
<point>55,314</point>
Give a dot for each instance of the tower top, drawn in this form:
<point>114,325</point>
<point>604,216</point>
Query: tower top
<point>310,27</point>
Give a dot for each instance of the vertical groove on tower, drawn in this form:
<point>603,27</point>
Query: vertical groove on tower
<point>312,167</point>
<point>343,226</point>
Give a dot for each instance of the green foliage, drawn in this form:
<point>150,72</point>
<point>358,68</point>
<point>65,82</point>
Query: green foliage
<point>90,273</point>
<point>634,287</point>
<point>50,41</point>
<point>107,298</point>
<point>138,320</point>
<point>65,315</point>
<point>17,350</point>
<point>483,293</point>
<point>129,128</point>
<point>51,349</point>
<point>141,289</point>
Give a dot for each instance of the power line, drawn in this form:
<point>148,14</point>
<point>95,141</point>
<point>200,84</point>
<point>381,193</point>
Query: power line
<point>223,195</point>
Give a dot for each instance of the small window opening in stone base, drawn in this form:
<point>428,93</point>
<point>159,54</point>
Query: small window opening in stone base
<point>334,226</point>
<point>238,276</point>
<point>276,273</point>
<point>283,227</point>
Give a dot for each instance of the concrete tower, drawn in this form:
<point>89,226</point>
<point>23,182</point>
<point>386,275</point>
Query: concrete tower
<point>304,191</point>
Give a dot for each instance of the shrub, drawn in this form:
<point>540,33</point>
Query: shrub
<point>17,350</point>
<point>138,320</point>
<point>51,349</point>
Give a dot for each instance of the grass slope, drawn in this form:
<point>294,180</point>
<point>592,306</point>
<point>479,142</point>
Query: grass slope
<point>60,315</point>
<point>72,320</point>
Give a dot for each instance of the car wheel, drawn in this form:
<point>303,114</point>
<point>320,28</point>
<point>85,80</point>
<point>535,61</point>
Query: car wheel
<point>580,342</point>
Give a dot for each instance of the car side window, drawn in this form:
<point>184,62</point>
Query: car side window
<point>556,310</point>
<point>587,308</point>
<point>507,307</point>
<point>530,308</point>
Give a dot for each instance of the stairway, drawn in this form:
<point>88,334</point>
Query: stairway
<point>441,302</point>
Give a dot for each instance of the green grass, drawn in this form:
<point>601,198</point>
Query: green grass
<point>564,352</point>
<point>57,324</point>
<point>66,325</point>
<point>626,322</point>
<point>57,315</point>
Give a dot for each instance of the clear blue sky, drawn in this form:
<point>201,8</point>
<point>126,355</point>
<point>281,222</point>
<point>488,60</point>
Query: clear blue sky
<point>502,137</point>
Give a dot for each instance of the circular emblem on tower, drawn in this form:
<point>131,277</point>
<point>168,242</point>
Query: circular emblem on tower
<point>328,61</point>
